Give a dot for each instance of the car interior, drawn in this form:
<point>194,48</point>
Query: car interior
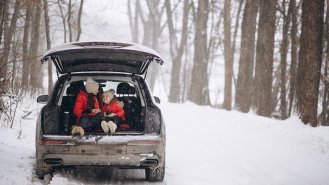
<point>125,92</point>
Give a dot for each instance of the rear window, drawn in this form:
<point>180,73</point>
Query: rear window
<point>120,88</point>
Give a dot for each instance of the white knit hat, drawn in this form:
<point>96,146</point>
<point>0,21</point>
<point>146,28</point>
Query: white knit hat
<point>91,85</point>
<point>109,93</point>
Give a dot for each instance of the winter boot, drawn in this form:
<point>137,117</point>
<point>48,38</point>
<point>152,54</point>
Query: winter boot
<point>112,126</point>
<point>78,131</point>
<point>105,126</point>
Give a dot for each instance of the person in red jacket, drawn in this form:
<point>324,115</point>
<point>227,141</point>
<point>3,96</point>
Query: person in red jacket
<point>112,111</point>
<point>86,107</point>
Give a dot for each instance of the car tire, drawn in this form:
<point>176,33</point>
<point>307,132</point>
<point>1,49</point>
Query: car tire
<point>155,174</point>
<point>41,172</point>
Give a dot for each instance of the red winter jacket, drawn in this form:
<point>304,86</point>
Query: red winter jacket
<point>81,104</point>
<point>113,107</point>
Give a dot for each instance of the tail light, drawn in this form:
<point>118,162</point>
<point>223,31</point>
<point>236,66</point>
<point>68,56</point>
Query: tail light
<point>52,142</point>
<point>144,142</point>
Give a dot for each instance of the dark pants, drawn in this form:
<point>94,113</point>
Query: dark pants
<point>90,123</point>
<point>116,119</point>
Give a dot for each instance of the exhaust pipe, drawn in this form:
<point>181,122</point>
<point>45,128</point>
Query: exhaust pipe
<point>53,162</point>
<point>149,163</point>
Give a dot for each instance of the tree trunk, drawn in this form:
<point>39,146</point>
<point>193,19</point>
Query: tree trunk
<point>133,21</point>
<point>228,55</point>
<point>324,114</point>
<point>50,71</point>
<point>13,60</point>
<point>69,14</point>
<point>293,66</point>
<point>198,91</point>
<point>186,75</point>
<point>276,87</point>
<point>4,26</point>
<point>3,8</point>
<point>63,19</point>
<point>236,28</point>
<point>247,56</point>
<point>284,51</point>
<point>177,53</point>
<point>264,58</point>
<point>309,67</point>
<point>26,63</point>
<point>34,47</point>
<point>79,21</point>
<point>152,31</point>
<point>7,43</point>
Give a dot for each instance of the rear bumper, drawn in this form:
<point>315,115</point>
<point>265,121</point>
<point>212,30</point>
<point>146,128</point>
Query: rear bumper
<point>127,161</point>
<point>146,151</point>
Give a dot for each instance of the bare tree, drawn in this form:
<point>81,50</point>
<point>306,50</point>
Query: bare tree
<point>264,58</point>
<point>50,71</point>
<point>310,56</point>
<point>198,91</point>
<point>177,51</point>
<point>152,30</point>
<point>79,21</point>
<point>63,19</point>
<point>228,55</point>
<point>284,53</point>
<point>8,34</point>
<point>33,53</point>
<point>324,114</point>
<point>3,8</point>
<point>133,20</point>
<point>15,63</point>
<point>26,63</point>
<point>69,13</point>
<point>247,56</point>
<point>293,65</point>
<point>237,21</point>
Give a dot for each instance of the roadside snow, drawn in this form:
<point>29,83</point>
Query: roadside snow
<point>219,147</point>
<point>17,147</point>
<point>204,146</point>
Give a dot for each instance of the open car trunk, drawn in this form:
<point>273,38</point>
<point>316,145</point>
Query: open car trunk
<point>101,57</point>
<point>58,117</point>
<point>119,62</point>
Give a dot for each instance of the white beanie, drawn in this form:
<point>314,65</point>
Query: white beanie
<point>109,93</point>
<point>91,85</point>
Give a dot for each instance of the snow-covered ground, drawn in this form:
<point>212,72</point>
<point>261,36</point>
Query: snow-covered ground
<point>204,146</point>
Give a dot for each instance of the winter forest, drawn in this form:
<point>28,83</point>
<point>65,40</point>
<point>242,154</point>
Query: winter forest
<point>274,54</point>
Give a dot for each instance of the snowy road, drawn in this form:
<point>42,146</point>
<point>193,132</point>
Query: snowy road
<point>102,176</point>
<point>204,146</point>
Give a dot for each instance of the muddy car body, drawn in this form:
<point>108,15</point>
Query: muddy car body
<point>112,65</point>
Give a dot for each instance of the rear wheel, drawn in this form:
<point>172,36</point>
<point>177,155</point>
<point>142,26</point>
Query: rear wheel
<point>42,174</point>
<point>41,171</point>
<point>155,174</point>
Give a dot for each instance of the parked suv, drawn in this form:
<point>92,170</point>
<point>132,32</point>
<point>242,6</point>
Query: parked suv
<point>119,66</point>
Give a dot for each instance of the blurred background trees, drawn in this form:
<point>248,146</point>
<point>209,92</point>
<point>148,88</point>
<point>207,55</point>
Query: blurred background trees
<point>273,54</point>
